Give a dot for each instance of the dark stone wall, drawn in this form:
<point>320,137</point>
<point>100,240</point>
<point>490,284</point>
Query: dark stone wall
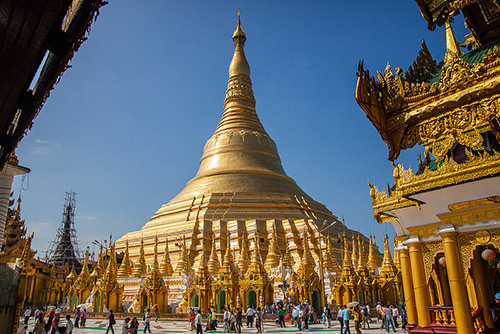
<point>9,282</point>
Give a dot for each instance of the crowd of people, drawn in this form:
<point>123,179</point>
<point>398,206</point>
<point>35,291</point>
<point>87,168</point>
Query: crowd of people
<point>299,315</point>
<point>49,321</point>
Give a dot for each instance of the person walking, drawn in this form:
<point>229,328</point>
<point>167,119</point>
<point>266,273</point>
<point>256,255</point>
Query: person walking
<point>55,324</point>
<point>134,326</point>
<point>340,318</point>
<point>198,321</point>
<point>239,320</point>
<point>346,314</point>
<point>328,316</point>
<point>365,311</point>
<point>39,326</point>
<point>111,322</point>
<point>52,314</point>
<point>226,317</point>
<point>250,315</point>
<point>77,318</point>
<point>404,317</point>
<point>156,310</point>
<point>356,316</point>
<point>281,316</point>
<point>191,319</point>
<point>260,325</point>
<point>84,318</point>
<point>126,326</point>
<point>382,317</point>
<point>379,313</point>
<point>69,325</point>
<point>395,314</point>
<point>147,321</point>
<point>388,319</point>
<point>27,315</point>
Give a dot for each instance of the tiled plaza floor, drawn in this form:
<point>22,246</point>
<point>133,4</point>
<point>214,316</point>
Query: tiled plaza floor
<point>95,326</point>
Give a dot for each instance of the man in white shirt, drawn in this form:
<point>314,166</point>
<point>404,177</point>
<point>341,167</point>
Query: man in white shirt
<point>198,321</point>
<point>69,325</point>
<point>27,315</point>
<point>227,320</point>
<point>125,326</point>
<point>250,315</point>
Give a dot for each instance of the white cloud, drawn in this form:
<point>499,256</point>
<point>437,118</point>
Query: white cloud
<point>47,142</point>
<point>85,217</point>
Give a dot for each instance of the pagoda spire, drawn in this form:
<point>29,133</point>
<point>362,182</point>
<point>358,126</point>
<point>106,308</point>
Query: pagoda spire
<point>452,48</point>
<point>166,266</point>
<point>125,268</point>
<point>155,251</point>
<point>347,255</point>
<point>334,264</point>
<point>228,256</point>
<point>387,253</point>
<point>273,254</point>
<point>239,64</point>
<point>372,260</point>
<point>244,260</point>
<point>307,264</point>
<point>397,260</point>
<point>213,262</point>
<point>140,268</point>
<point>389,270</point>
<point>183,263</point>
<point>287,258</point>
<point>354,252</point>
<point>85,268</point>
<point>256,256</point>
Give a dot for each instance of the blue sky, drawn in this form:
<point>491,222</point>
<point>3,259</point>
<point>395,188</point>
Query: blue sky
<point>126,125</point>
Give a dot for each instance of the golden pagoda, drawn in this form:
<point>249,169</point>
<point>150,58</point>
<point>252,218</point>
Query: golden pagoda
<point>445,212</point>
<point>240,193</point>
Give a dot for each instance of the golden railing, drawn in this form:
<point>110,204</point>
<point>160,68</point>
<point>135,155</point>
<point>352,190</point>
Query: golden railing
<point>442,315</point>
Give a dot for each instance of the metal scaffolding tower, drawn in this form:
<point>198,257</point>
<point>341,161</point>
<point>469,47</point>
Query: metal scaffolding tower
<point>64,249</point>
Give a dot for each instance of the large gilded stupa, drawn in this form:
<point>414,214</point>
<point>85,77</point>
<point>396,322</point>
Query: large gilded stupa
<point>240,194</point>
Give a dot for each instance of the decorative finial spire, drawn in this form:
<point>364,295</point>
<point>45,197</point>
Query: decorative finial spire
<point>140,268</point>
<point>125,269</point>
<point>452,48</point>
<point>244,260</point>
<point>166,266</point>
<point>239,64</point>
<point>387,252</point>
<point>155,260</point>
<point>213,261</point>
<point>273,254</point>
<point>372,260</point>
<point>347,255</point>
<point>18,208</point>
<point>388,267</point>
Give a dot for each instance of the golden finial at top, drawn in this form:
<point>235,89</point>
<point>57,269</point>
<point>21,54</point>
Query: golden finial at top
<point>239,64</point>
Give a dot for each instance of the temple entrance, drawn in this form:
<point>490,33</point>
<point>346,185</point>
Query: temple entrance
<point>361,297</point>
<point>221,301</point>
<point>316,301</point>
<point>194,300</point>
<point>145,301</point>
<point>98,302</point>
<point>251,298</point>
<point>73,298</point>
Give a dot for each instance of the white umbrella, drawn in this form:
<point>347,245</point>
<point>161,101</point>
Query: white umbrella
<point>352,304</point>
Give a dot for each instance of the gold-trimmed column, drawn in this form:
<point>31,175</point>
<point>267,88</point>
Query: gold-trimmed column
<point>479,269</point>
<point>404,257</point>
<point>458,288</point>
<point>422,298</point>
